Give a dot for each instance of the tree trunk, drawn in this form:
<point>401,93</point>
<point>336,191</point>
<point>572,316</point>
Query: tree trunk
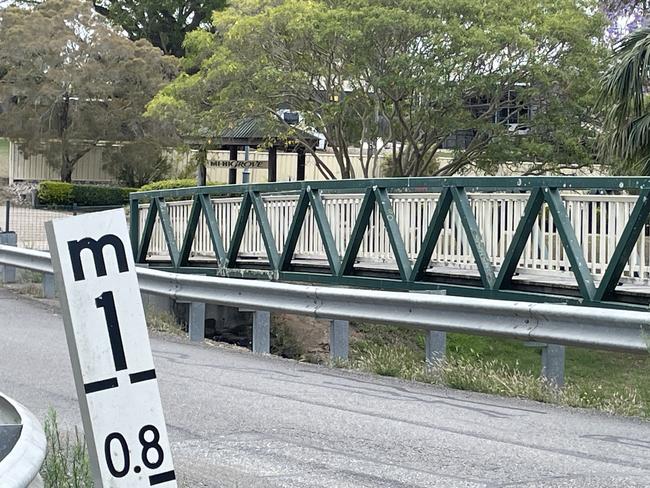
<point>67,165</point>
<point>66,170</point>
<point>201,172</point>
<point>69,161</point>
<point>201,175</point>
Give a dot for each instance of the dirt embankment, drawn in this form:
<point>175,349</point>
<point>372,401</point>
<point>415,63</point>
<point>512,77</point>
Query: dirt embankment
<point>310,335</point>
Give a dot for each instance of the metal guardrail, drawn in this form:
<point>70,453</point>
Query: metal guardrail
<point>22,446</point>
<point>599,328</point>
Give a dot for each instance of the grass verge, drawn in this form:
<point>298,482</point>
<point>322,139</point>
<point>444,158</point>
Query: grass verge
<point>612,382</point>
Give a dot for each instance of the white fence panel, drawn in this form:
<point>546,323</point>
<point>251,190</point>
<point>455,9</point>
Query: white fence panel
<point>598,222</point>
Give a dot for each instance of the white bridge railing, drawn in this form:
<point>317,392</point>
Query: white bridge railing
<point>598,221</point>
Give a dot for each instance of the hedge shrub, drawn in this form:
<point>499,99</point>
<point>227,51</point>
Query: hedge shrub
<point>65,194</point>
<point>95,196</point>
<point>59,193</point>
<point>55,193</point>
<point>168,184</point>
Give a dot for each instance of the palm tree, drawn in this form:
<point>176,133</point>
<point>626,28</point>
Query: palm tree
<point>624,100</point>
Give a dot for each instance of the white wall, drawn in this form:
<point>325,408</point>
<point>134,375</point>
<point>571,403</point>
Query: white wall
<point>35,168</point>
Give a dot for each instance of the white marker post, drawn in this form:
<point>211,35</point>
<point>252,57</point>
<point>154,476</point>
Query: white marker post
<point>110,352</point>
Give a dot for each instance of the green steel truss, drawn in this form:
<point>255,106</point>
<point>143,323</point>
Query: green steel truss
<point>408,276</point>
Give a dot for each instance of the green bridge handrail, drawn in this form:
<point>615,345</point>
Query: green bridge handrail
<point>470,183</point>
<point>409,275</point>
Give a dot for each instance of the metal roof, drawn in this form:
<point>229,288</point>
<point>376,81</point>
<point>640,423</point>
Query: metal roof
<point>255,132</point>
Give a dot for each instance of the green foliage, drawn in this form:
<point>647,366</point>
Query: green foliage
<point>137,163</point>
<point>55,193</point>
<point>168,184</point>
<point>66,463</point>
<point>198,46</point>
<point>626,138</point>
<point>59,193</point>
<point>94,195</point>
<point>408,73</point>
<point>175,183</point>
<point>71,80</point>
<point>164,23</point>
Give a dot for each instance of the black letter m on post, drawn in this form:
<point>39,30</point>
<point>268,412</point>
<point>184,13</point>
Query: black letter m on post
<point>97,248</point>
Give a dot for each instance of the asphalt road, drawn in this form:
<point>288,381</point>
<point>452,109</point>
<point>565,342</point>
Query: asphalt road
<point>239,420</point>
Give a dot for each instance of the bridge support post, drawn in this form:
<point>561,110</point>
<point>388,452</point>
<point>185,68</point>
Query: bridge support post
<point>262,332</point>
<point>435,343</point>
<point>8,272</point>
<point>339,339</point>
<point>553,364</point>
<point>196,322</point>
<point>49,290</point>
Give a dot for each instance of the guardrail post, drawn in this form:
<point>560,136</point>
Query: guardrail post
<point>49,290</point>
<point>8,272</point>
<point>196,326</point>
<point>435,341</point>
<point>339,339</point>
<point>262,332</point>
<point>435,345</point>
<point>553,364</point>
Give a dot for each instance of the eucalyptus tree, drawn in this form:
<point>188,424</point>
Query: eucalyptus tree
<point>517,77</point>
<point>70,81</point>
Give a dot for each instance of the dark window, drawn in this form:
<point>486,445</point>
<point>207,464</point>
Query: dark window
<point>460,139</point>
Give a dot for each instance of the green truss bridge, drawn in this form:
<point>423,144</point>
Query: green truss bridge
<point>583,241</point>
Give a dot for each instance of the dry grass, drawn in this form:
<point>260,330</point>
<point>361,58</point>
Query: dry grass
<point>494,377</point>
<point>30,289</point>
<point>163,322</point>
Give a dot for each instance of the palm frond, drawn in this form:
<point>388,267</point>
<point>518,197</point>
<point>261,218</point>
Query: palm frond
<point>622,97</point>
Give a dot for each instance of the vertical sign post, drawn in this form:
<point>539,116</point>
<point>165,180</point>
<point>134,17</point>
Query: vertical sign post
<point>110,352</point>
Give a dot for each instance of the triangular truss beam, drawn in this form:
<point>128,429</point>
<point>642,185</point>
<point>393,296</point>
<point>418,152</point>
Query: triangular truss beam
<point>380,196</point>
<point>310,198</point>
<point>412,275</point>
<point>253,200</point>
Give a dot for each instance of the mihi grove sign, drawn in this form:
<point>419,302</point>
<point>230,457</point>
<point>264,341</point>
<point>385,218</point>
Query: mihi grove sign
<point>228,163</point>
